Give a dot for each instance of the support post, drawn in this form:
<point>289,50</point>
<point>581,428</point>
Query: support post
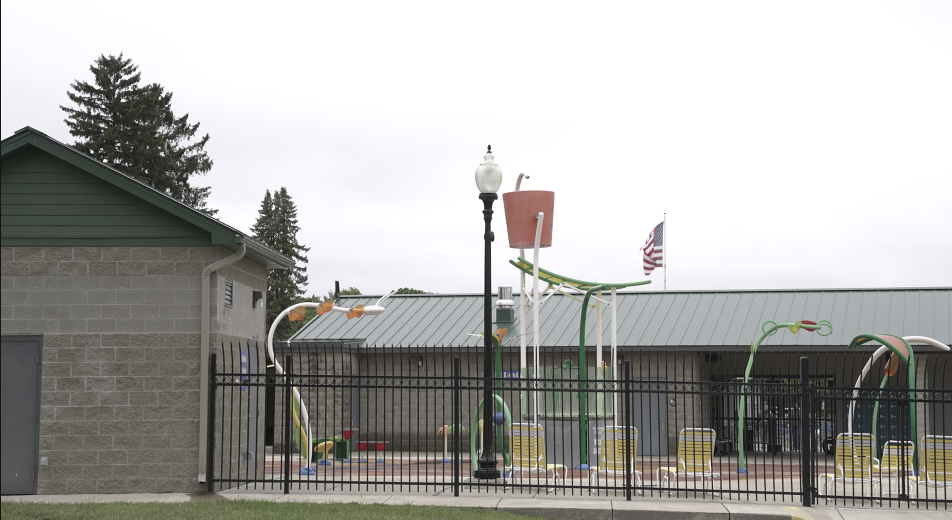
<point>487,469</point>
<point>212,388</point>
<point>457,402</point>
<point>806,447</point>
<point>288,423</point>
<point>627,400</point>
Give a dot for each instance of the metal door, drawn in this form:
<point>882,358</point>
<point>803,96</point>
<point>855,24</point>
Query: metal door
<point>19,432</point>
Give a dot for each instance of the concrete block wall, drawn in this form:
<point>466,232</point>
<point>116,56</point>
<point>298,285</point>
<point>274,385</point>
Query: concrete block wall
<point>121,348</point>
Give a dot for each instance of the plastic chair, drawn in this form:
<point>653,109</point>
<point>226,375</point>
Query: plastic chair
<point>897,461</point>
<point>935,458</point>
<point>528,452</point>
<point>695,459</point>
<point>854,464</point>
<point>611,455</point>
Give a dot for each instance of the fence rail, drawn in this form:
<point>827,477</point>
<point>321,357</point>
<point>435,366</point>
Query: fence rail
<point>662,423</point>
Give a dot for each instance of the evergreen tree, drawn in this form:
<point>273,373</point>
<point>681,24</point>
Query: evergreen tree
<point>350,291</point>
<point>133,129</point>
<point>410,290</point>
<point>277,228</point>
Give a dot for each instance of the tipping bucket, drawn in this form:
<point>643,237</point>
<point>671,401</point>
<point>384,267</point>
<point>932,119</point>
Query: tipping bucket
<point>521,210</point>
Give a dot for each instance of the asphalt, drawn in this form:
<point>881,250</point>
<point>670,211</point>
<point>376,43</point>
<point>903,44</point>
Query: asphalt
<point>541,506</point>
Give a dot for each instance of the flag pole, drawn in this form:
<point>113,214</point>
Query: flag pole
<point>665,228</point>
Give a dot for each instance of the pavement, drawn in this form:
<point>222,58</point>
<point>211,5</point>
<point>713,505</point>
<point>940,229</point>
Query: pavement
<point>540,506</point>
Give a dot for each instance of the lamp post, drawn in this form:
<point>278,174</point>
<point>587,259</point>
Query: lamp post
<point>488,179</point>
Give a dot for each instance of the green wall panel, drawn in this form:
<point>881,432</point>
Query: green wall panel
<point>48,203</point>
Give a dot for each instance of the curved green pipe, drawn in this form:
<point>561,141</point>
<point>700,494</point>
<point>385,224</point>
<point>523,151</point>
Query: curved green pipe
<point>792,327</point>
<point>553,278</point>
<point>583,377</point>
<point>474,437</point>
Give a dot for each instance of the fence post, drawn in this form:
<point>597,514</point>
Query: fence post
<point>288,424</point>
<point>806,432</point>
<point>457,402</point>
<point>626,385</point>
<point>212,377</point>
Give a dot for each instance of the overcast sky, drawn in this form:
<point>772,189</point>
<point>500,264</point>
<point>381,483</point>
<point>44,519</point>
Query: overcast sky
<point>792,144</point>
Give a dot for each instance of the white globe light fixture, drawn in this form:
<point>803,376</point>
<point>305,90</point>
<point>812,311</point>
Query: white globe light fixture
<point>488,174</point>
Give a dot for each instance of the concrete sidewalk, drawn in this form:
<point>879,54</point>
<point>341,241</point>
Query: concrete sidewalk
<point>541,506</point>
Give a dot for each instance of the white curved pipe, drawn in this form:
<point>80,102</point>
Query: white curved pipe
<point>519,182</point>
<point>296,395</point>
<point>869,364</point>
<point>928,341</point>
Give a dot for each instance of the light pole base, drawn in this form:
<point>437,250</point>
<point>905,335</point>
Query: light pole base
<point>487,474</point>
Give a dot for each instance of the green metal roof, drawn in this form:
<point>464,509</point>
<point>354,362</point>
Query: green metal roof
<point>713,319</point>
<point>218,232</point>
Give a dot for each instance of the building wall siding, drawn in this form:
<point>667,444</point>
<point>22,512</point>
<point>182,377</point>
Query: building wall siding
<point>47,202</point>
<point>121,330</point>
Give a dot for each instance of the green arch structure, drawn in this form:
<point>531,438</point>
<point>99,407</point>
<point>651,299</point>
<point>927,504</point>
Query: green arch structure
<point>556,280</point>
<point>900,347</point>
<point>767,331</point>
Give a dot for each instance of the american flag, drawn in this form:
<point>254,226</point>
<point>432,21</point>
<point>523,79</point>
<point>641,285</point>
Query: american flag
<point>653,248</point>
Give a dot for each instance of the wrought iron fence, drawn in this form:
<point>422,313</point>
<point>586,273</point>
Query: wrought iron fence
<point>678,423</point>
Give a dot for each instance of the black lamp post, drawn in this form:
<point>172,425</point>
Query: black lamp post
<point>488,179</point>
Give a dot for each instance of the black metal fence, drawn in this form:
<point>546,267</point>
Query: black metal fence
<point>408,420</point>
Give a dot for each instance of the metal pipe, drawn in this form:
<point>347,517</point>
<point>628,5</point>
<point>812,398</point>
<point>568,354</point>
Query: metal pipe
<point>205,349</point>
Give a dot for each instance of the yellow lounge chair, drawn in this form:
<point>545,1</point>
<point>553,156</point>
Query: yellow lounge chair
<point>528,452</point>
<point>935,459</point>
<point>612,455</point>
<point>897,461</point>
<point>695,459</point>
<point>854,464</point>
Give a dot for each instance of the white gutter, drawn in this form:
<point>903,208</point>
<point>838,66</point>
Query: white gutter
<point>203,372</point>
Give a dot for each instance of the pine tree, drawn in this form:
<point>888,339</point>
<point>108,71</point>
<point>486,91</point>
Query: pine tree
<point>133,129</point>
<point>277,228</point>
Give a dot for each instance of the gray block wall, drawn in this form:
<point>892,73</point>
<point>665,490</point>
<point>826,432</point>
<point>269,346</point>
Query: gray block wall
<point>121,355</point>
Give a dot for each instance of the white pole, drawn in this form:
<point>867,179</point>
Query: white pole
<point>664,237</point>
<point>614,306</point>
<point>598,321</point>
<point>522,318</point>
<point>535,308</point>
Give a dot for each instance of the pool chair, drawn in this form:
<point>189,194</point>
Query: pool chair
<point>528,453</point>
<point>612,455</point>
<point>854,464</point>
<point>695,459</point>
<point>896,462</point>
<point>935,459</point>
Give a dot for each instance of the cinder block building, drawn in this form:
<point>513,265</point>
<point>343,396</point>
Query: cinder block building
<point>114,295</point>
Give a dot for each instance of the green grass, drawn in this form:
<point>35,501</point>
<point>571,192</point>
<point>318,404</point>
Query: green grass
<point>241,510</point>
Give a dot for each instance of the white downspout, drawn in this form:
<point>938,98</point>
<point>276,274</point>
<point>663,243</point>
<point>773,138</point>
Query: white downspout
<point>203,373</point>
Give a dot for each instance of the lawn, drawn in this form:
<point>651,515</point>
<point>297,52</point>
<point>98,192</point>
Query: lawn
<point>242,509</point>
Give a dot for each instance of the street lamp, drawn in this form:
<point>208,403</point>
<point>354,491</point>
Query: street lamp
<point>488,179</point>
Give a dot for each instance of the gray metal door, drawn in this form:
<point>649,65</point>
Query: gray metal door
<point>649,415</point>
<point>19,431</point>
